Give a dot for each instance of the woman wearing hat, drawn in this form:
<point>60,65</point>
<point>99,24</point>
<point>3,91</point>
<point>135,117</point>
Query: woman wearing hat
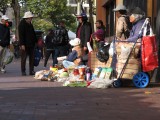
<point>74,58</point>
<point>84,31</point>
<point>27,38</point>
<point>4,39</point>
<point>122,26</point>
<point>137,18</point>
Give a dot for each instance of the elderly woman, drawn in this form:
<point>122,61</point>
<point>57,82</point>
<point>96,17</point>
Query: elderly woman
<point>137,18</point>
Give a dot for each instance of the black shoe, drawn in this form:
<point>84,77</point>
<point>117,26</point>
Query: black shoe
<point>23,74</point>
<point>32,73</point>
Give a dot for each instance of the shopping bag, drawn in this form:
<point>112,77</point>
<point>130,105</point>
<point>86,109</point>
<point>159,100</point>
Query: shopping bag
<point>149,52</point>
<point>7,56</point>
<point>37,56</point>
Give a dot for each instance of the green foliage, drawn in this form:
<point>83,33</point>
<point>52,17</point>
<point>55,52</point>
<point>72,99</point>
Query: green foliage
<point>42,24</point>
<point>4,4</point>
<point>51,10</point>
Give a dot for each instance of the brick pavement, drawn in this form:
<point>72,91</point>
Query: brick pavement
<point>24,98</point>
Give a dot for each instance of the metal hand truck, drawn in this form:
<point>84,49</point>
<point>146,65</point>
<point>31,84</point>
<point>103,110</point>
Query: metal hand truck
<point>141,79</point>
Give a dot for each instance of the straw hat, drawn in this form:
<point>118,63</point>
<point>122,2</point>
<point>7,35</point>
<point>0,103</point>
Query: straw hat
<point>119,7</point>
<point>28,15</point>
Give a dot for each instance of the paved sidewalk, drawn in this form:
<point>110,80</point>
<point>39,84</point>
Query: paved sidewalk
<point>24,98</point>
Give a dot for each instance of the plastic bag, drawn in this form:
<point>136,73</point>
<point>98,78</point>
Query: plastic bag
<point>103,53</point>
<point>101,83</point>
<point>125,51</point>
<point>7,56</point>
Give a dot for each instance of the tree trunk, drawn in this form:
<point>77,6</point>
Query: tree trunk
<point>16,8</point>
<point>91,13</point>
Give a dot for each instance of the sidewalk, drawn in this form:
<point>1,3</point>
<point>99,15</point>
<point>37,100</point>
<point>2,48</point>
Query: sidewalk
<point>24,98</point>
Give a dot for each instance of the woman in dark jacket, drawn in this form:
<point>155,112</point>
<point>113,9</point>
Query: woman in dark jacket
<point>84,32</point>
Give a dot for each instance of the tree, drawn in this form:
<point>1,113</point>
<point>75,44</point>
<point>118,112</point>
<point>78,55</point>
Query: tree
<point>16,7</point>
<point>52,10</point>
<point>3,6</point>
<point>91,13</point>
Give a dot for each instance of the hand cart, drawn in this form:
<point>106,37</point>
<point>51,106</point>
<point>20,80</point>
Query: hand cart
<point>140,79</point>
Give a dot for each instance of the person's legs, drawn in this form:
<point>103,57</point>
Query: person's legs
<point>67,64</point>
<point>16,51</point>
<point>31,61</point>
<point>23,61</point>
<point>53,53</point>
<point>48,52</point>
<point>56,54</point>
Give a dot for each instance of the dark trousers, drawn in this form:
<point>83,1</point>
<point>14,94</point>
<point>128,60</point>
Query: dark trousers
<point>16,51</point>
<point>56,54</point>
<point>29,51</point>
<point>47,55</point>
<point>64,50</point>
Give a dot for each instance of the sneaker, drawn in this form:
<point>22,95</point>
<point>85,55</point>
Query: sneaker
<point>3,70</point>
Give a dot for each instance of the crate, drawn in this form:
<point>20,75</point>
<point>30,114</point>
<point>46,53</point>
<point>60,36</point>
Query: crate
<point>93,62</point>
<point>133,65</point>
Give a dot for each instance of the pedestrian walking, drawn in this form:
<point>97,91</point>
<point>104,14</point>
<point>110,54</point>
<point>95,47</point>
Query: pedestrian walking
<point>27,38</point>
<point>4,39</point>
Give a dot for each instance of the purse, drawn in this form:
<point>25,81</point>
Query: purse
<point>149,51</point>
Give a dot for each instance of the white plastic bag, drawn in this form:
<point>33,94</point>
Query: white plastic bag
<point>7,56</point>
<point>125,51</point>
<point>89,47</point>
<point>101,83</point>
<point>111,49</point>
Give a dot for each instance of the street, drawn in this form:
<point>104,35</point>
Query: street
<point>24,98</point>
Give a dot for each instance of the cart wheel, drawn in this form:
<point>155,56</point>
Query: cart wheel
<point>117,83</point>
<point>141,80</point>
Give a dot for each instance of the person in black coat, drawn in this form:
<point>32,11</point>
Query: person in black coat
<point>84,31</point>
<point>27,38</point>
<point>4,39</point>
<point>49,46</point>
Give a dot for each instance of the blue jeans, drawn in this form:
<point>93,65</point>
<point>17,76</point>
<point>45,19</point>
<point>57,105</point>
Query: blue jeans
<point>68,64</point>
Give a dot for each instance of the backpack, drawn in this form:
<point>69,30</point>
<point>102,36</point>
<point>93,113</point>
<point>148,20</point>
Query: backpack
<point>129,26</point>
<point>59,36</point>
